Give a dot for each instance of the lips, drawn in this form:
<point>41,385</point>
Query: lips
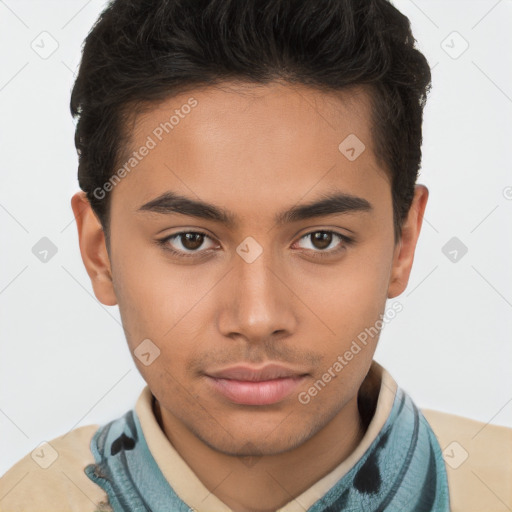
<point>256,386</point>
<point>246,373</point>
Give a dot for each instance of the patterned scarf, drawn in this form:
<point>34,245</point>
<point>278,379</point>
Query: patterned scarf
<point>402,470</point>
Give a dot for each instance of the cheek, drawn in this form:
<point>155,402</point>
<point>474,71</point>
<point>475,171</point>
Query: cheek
<point>164,302</point>
<point>151,297</point>
<point>350,300</point>
<point>348,297</point>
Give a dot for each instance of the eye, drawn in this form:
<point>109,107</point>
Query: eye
<point>325,242</point>
<point>195,243</point>
<point>186,243</point>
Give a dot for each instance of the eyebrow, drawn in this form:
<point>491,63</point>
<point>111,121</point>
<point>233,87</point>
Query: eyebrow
<point>328,204</point>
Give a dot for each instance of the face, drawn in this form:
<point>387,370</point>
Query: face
<point>242,269</point>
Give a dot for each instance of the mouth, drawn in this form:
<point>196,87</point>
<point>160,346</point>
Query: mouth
<point>256,386</point>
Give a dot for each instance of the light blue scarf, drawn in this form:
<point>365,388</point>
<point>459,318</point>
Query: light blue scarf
<point>402,470</point>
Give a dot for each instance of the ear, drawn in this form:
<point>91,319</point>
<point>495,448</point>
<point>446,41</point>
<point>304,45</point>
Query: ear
<point>404,250</point>
<point>93,248</point>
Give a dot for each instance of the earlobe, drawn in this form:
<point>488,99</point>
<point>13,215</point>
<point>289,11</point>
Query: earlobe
<point>93,249</point>
<point>404,250</point>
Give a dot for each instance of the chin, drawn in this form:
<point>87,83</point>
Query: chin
<point>253,447</point>
<point>257,442</point>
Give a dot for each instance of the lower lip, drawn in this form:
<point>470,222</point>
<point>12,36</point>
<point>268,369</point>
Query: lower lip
<point>256,393</point>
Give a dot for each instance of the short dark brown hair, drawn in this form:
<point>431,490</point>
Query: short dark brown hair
<point>142,52</point>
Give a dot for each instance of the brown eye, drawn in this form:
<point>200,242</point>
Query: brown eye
<point>192,241</point>
<point>321,239</point>
<point>187,243</point>
<point>324,242</point>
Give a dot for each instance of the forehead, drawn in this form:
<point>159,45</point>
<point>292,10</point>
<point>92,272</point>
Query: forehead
<point>252,144</point>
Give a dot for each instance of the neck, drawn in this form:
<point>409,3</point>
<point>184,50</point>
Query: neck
<point>267,483</point>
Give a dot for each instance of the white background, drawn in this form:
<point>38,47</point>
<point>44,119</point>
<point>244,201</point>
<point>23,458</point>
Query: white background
<point>64,360</point>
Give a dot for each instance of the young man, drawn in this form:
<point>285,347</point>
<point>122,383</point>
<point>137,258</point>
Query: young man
<point>249,200</point>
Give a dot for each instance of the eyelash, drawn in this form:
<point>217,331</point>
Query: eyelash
<point>316,254</point>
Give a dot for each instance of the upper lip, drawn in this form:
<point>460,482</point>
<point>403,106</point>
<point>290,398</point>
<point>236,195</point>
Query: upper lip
<point>248,373</point>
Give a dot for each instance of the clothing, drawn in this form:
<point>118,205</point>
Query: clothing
<point>403,469</point>
<point>398,464</point>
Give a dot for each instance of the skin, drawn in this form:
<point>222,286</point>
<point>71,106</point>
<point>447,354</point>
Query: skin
<point>255,151</point>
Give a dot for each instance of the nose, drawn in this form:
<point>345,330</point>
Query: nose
<point>258,305</point>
